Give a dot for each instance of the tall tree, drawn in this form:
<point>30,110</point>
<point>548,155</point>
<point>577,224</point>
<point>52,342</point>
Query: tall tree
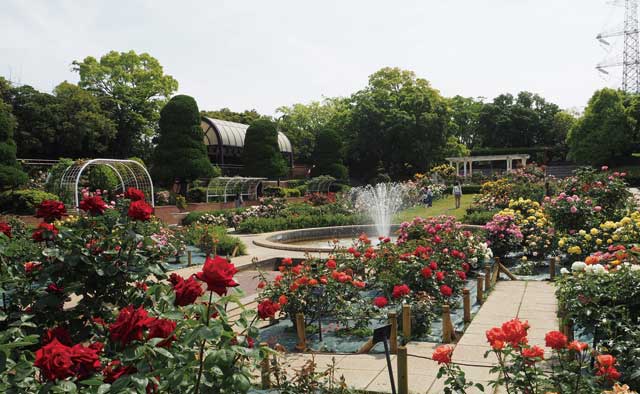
<point>180,154</point>
<point>302,123</point>
<point>245,117</point>
<point>10,173</point>
<point>465,112</point>
<point>132,88</point>
<point>261,154</point>
<point>605,133</point>
<point>328,155</point>
<point>398,120</point>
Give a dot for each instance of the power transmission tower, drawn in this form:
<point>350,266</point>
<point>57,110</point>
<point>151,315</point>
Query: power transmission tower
<point>631,54</point>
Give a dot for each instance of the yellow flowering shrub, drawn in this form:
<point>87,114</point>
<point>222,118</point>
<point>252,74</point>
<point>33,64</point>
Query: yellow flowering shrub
<point>538,235</point>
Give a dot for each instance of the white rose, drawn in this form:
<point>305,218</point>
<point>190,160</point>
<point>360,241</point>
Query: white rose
<point>564,271</point>
<point>578,266</point>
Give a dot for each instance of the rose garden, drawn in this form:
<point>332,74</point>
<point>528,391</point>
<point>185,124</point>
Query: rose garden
<point>222,252</point>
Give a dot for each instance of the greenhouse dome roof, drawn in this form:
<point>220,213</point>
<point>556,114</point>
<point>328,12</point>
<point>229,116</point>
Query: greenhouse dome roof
<point>225,133</point>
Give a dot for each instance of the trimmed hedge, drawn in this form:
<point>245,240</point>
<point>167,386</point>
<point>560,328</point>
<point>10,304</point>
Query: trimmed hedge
<point>478,217</point>
<point>197,194</point>
<point>23,202</point>
<point>226,243</point>
<point>265,225</point>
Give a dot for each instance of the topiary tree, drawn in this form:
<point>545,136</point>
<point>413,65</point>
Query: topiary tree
<point>11,175</point>
<point>328,154</point>
<point>180,154</point>
<point>261,155</point>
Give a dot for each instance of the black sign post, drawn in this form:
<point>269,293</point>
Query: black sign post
<point>318,292</point>
<point>382,334</point>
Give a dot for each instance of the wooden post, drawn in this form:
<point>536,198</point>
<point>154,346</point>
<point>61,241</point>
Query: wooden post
<point>393,341</point>
<point>480,294</point>
<point>487,277</point>
<point>403,371</point>
<point>446,324</point>
<point>568,328</point>
<point>406,322</point>
<point>552,267</point>
<point>235,251</point>
<point>495,273</point>
<point>265,369</point>
<point>466,300</point>
<point>301,330</point>
<point>506,271</point>
<point>189,263</point>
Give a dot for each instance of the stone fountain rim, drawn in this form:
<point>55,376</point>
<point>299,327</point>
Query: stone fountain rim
<point>278,240</point>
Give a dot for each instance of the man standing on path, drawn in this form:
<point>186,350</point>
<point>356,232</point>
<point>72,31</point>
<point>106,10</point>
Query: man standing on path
<point>457,194</point>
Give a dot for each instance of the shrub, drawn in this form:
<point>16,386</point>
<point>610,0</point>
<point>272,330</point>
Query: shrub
<point>197,194</point>
<point>194,217</point>
<point>274,191</point>
<point>208,238</point>
<point>103,178</point>
<point>23,202</point>
<point>261,153</point>
<point>254,225</point>
<point>478,217</point>
<point>11,175</point>
<point>292,192</point>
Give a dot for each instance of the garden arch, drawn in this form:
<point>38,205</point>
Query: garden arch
<point>321,184</point>
<point>130,173</point>
<point>230,186</point>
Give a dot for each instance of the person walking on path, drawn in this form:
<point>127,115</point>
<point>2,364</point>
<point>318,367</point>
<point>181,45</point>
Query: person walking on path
<point>457,194</point>
<point>429,197</point>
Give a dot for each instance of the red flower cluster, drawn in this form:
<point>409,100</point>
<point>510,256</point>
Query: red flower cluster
<point>161,328</point>
<point>50,210</point>
<point>555,340</point>
<point>5,229</point>
<point>331,264</point>
<point>187,291</point>
<point>577,346</point>
<point>400,291</point>
<point>44,232</point>
<point>31,266</point>
<point>380,301</point>
<point>442,354</point>
<point>115,370</point>
<point>605,367</point>
<point>131,324</point>
<point>534,352</point>
<point>426,272</point>
<point>513,332</point>
<point>140,210</point>
<point>94,205</point>
<point>218,273</point>
<point>267,309</point>
<point>59,361</point>
<point>134,194</point>
<point>446,291</point>
<point>59,333</point>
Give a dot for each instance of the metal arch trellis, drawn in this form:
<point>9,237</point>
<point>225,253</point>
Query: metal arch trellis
<point>320,185</point>
<point>223,187</point>
<point>130,173</point>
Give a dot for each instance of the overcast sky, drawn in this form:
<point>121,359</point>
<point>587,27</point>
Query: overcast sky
<point>265,54</point>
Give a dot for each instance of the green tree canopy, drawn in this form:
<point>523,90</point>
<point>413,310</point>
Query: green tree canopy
<point>261,154</point>
<point>132,88</point>
<point>328,155</point>
<point>605,133</point>
<point>180,153</point>
<point>523,121</point>
<point>465,114</point>
<point>302,123</point>
<point>398,120</point>
<point>244,117</point>
<point>10,173</point>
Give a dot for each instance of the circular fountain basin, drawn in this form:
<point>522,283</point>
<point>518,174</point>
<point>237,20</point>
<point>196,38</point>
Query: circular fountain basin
<point>319,239</point>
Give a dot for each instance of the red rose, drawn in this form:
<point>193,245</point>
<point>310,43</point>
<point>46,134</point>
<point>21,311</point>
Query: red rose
<point>267,309</point>
<point>400,291</point>
<point>283,300</point>
<point>461,275</point>
<point>606,360</point>
<point>5,229</point>
<point>59,333</point>
<point>577,346</point>
<point>31,266</point>
<point>331,264</point>
<point>115,370</point>
<point>426,272</point>
<point>44,232</point>
<point>359,284</point>
<point>446,291</point>
<point>54,360</point>
<point>54,289</point>
<point>515,332</point>
<point>86,360</point>
<point>433,265</point>
<point>380,302</point>
<point>51,210</point>
<point>93,205</point>
<point>466,267</point>
<point>287,261</point>
<point>442,354</point>
<point>140,210</point>
<point>555,340</point>
<point>161,328</point>
<point>218,273</point>
<point>129,325</point>
<point>496,338</point>
<point>439,276</point>
<point>134,194</point>
<point>187,291</point>
<point>533,352</point>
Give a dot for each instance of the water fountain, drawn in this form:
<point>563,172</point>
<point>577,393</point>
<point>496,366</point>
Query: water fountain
<point>381,202</point>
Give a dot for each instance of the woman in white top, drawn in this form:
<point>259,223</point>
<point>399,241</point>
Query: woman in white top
<point>457,194</point>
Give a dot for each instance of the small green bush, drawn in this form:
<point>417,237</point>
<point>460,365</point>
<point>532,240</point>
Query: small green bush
<point>478,217</point>
<point>193,217</point>
<point>263,225</point>
<point>292,192</point>
<point>302,189</point>
<point>274,191</point>
<point>103,178</point>
<point>23,202</point>
<point>197,194</point>
<point>202,237</point>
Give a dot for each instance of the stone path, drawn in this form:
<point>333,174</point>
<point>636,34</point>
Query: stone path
<point>532,301</point>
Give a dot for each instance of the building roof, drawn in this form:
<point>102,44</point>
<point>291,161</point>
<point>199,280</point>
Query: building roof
<point>466,159</point>
<point>223,132</point>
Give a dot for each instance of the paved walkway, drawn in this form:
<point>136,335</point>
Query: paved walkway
<point>532,301</point>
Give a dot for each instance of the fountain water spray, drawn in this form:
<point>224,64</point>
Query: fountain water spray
<point>380,202</point>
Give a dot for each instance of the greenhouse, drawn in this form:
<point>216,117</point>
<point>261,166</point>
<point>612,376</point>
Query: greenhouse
<point>225,142</point>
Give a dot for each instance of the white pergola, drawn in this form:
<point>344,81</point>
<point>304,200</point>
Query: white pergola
<point>469,160</point>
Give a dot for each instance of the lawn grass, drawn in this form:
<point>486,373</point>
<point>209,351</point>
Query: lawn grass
<point>444,206</point>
